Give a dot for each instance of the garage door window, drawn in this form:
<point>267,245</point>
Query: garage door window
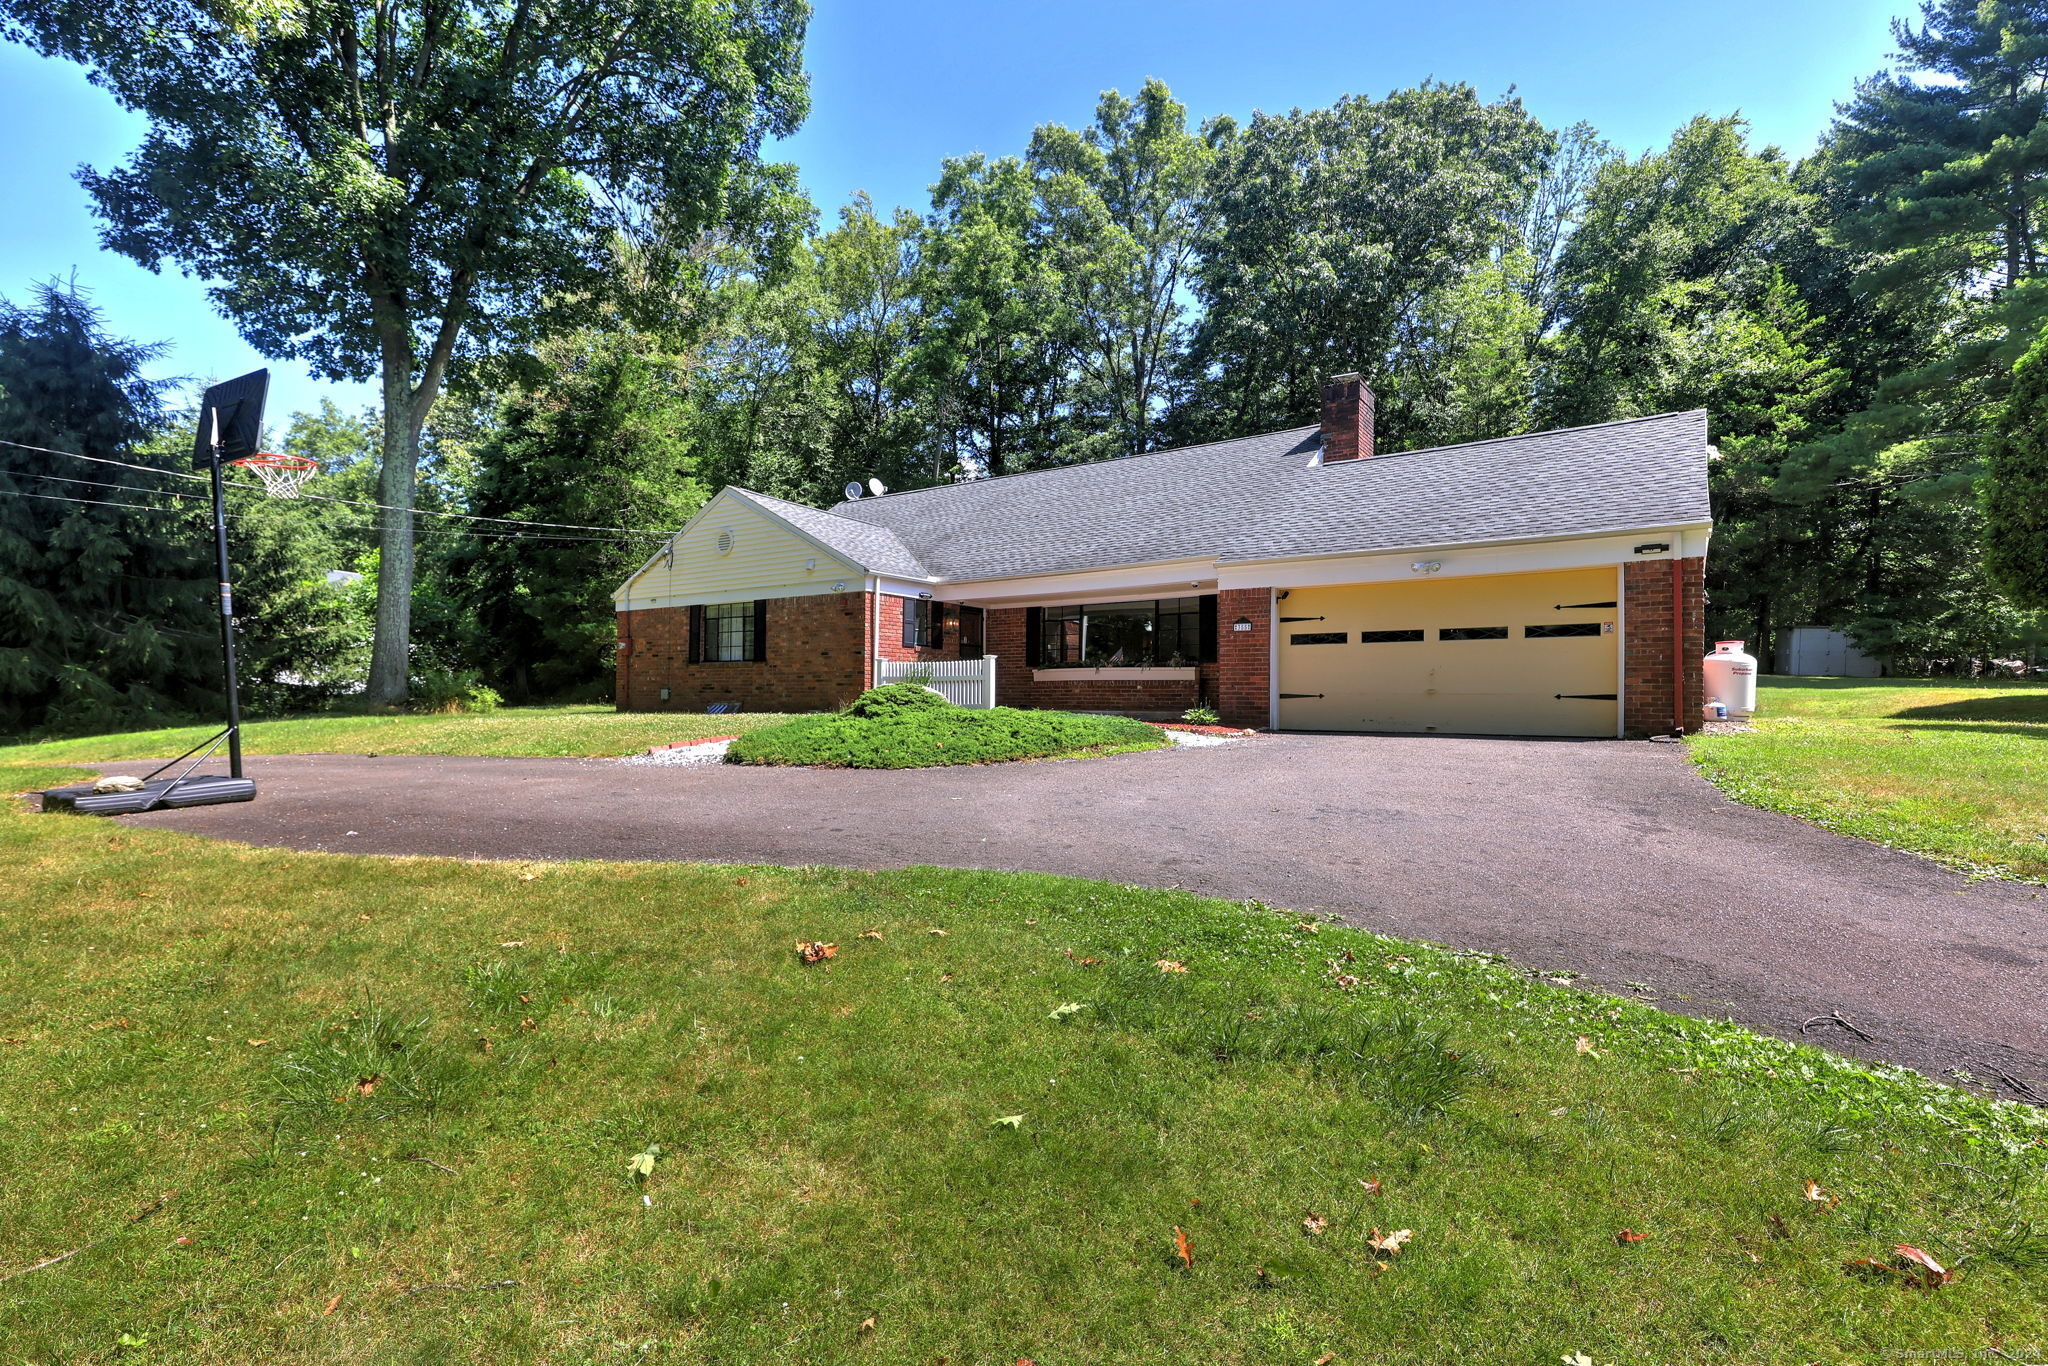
<point>1556,629</point>
<point>1473,633</point>
<point>1387,637</point>
<point>1318,638</point>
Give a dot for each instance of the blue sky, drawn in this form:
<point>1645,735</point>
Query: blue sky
<point>897,85</point>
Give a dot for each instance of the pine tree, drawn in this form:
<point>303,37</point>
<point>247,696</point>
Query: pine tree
<point>2014,487</point>
<point>104,614</point>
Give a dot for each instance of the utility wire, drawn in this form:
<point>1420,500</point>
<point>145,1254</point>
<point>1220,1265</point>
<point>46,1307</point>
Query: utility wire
<point>353,502</point>
<point>244,517</point>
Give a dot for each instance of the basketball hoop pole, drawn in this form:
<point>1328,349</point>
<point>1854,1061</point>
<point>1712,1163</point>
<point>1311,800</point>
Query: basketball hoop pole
<point>227,617</point>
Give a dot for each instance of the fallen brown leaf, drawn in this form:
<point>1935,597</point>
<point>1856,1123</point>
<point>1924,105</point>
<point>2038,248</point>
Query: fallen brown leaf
<point>1169,965</point>
<point>1182,1248</point>
<point>1389,1243</point>
<point>1586,1048</point>
<point>1372,1187</point>
<point>871,934</point>
<point>1313,1224</point>
<point>1814,1193</point>
<point>1325,1359</point>
<point>867,1325</point>
<point>1629,1235</point>
<point>332,1305</point>
<point>258,1043</point>
<point>366,1085</point>
<point>815,953</point>
<point>937,931</point>
<point>1931,1274</point>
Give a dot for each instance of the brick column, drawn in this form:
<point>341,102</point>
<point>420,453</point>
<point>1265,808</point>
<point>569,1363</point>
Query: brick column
<point>1648,651</point>
<point>1244,658</point>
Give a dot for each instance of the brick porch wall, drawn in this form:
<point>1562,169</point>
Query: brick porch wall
<point>1647,651</point>
<point>816,659</point>
<point>1163,699</point>
<point>1244,659</point>
<point>891,646</point>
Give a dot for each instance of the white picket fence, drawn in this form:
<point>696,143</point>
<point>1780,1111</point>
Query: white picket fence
<point>963,682</point>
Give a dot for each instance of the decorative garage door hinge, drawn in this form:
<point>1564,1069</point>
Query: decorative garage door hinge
<point>1284,696</point>
<point>1587,696</point>
<point>1302,618</point>
<point>1571,606</point>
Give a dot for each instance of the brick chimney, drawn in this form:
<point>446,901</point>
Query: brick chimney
<point>1347,419</point>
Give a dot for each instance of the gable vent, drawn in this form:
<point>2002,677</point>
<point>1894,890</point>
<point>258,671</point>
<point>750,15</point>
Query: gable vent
<point>725,542</point>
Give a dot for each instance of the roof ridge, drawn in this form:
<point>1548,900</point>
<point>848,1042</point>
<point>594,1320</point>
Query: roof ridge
<point>1078,465</point>
<point>1522,436</point>
<point>1278,431</point>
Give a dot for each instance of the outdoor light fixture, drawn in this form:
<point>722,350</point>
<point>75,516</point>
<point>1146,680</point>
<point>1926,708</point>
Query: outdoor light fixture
<point>1653,547</point>
<point>924,597</point>
<point>1427,566</point>
<point>839,587</point>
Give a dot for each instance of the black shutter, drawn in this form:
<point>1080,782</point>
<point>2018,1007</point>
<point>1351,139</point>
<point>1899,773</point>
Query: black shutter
<point>1208,629</point>
<point>696,652</point>
<point>760,630</point>
<point>938,626</point>
<point>909,622</point>
<point>1034,635</point>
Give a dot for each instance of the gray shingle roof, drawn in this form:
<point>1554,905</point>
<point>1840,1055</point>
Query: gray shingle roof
<point>1264,497</point>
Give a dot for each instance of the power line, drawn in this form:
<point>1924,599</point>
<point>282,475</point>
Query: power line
<point>245,517</point>
<point>352,502</point>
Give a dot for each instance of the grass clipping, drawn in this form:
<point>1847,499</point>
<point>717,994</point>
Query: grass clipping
<point>904,725</point>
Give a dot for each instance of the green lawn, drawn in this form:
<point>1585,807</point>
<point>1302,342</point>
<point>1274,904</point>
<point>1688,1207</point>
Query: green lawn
<point>394,1105</point>
<point>1955,769</point>
<point>578,731</point>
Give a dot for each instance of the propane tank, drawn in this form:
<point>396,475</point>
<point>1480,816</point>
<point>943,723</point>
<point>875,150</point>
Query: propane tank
<point>1731,676</point>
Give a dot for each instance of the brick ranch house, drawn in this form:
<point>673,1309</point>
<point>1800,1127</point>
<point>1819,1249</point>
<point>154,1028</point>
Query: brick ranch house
<point>1546,584</point>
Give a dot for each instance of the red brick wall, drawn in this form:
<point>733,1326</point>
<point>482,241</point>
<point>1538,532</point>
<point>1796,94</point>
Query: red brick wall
<point>816,659</point>
<point>1646,699</point>
<point>1244,659</point>
<point>892,646</point>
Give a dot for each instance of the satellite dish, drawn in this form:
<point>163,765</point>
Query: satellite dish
<point>876,487</point>
<point>852,489</point>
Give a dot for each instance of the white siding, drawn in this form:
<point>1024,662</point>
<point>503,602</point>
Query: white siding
<point>766,559</point>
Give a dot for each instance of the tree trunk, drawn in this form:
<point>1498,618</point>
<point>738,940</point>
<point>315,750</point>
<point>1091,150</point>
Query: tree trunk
<point>391,649</point>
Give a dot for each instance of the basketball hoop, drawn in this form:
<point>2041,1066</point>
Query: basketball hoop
<point>283,476</point>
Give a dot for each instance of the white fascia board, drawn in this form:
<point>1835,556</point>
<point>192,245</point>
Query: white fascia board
<point>1499,557</point>
<point>787,590</point>
<point>1161,579</point>
<point>910,588</point>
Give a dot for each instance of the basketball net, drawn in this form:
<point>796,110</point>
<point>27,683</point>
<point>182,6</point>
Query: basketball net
<point>283,476</point>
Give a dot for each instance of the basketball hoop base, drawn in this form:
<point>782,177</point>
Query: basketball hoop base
<point>162,794</point>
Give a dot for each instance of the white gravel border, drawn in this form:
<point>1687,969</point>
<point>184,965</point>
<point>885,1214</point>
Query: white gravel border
<point>710,752</point>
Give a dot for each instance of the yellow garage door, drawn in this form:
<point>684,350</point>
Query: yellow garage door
<point>1510,654</point>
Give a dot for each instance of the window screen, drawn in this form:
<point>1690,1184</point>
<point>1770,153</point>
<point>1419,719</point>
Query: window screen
<point>1387,637</point>
<point>1554,630</point>
<point>729,631</point>
<point>1473,633</point>
<point>1318,638</point>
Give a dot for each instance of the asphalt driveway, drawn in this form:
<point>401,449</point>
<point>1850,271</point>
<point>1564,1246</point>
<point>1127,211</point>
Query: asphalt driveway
<point>1608,859</point>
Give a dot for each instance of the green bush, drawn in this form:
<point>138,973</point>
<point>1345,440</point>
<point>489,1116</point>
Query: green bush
<point>920,735</point>
<point>1201,716</point>
<point>453,690</point>
<point>893,699</point>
